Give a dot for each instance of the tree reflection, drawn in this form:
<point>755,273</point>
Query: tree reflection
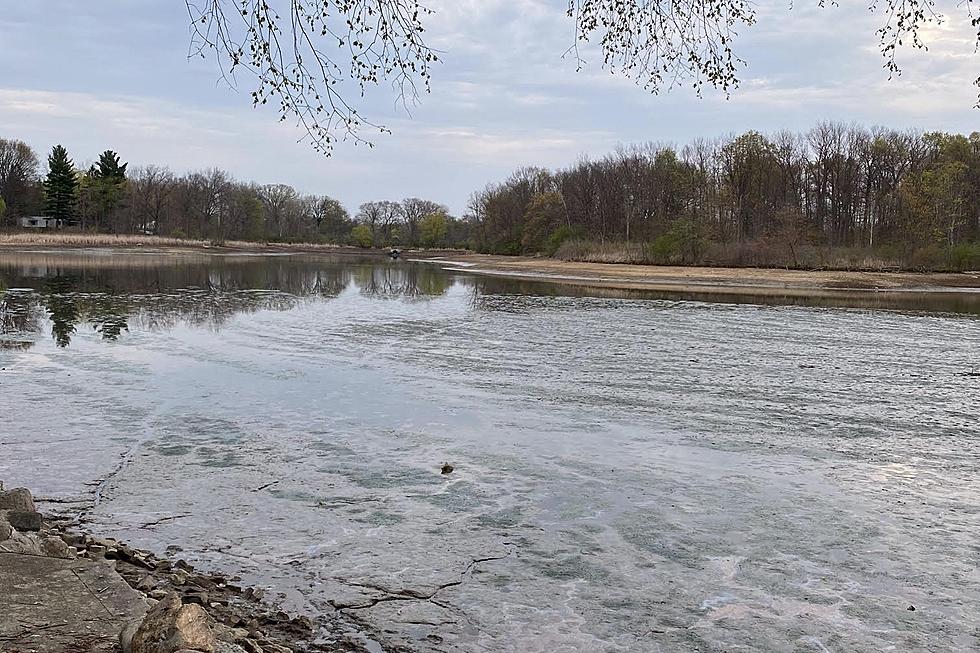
<point>20,317</point>
<point>400,281</point>
<point>61,307</point>
<point>114,293</point>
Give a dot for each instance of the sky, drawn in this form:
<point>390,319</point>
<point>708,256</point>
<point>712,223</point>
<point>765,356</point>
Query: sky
<point>115,74</point>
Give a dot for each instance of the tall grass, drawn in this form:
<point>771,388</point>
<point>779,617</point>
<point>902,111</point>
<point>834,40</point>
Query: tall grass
<point>69,239</point>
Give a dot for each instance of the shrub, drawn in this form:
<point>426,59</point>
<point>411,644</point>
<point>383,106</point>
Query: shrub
<point>361,236</point>
<point>557,237</point>
<point>965,256</point>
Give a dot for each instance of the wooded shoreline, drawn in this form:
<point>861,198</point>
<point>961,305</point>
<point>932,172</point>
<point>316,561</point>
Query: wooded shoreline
<point>740,280</point>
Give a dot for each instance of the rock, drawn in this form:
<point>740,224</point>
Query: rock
<point>228,647</point>
<point>447,468</point>
<point>276,648</point>
<point>96,551</point>
<point>251,646</point>
<point>6,530</point>
<point>199,597</point>
<point>17,499</point>
<point>227,634</point>
<point>24,520</point>
<point>158,594</point>
<point>55,547</point>
<point>170,626</point>
<point>126,636</point>
<point>28,543</point>
<point>911,608</point>
<point>146,583</point>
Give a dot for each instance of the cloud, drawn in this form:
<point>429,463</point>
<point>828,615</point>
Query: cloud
<point>115,74</point>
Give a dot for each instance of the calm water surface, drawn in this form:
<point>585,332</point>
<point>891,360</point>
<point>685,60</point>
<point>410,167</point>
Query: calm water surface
<point>632,473</point>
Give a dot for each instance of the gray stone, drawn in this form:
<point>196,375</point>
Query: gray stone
<point>78,600</point>
<point>170,626</point>
<point>228,647</point>
<point>126,636</point>
<point>5,530</point>
<point>24,543</point>
<point>17,499</point>
<point>54,547</point>
<point>24,520</point>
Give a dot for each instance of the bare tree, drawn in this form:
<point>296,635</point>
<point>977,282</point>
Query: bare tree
<point>301,53</point>
<point>311,57</point>
<point>279,201</point>
<point>413,211</point>
<point>18,175</point>
<point>150,190</point>
<point>380,218</point>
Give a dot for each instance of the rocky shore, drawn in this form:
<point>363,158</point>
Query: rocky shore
<point>68,591</point>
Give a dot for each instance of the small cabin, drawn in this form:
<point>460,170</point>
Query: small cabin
<point>38,222</point>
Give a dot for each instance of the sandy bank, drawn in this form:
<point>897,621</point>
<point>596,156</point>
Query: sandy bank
<point>749,281</point>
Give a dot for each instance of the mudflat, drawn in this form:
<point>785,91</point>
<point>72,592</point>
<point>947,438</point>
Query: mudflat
<point>694,279</point>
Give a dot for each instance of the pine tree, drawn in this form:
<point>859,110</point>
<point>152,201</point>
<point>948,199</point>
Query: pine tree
<point>60,186</point>
<point>106,184</point>
<point>109,167</point>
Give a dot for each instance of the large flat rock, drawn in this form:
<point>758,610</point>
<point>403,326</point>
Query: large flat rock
<point>50,605</point>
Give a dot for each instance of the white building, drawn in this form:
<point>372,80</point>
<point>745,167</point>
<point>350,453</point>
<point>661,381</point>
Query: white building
<point>38,222</point>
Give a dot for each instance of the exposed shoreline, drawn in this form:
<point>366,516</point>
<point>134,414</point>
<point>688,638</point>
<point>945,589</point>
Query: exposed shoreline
<point>744,282</point>
<point>735,281</point>
<point>67,590</point>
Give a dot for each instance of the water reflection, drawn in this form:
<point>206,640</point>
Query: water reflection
<point>110,292</point>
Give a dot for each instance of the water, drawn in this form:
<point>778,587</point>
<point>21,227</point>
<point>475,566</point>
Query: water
<point>632,473</point>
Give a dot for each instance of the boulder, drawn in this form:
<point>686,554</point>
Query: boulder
<point>171,626</point>
<point>17,499</point>
<point>23,520</point>
<point>28,543</point>
<point>54,547</point>
<point>5,530</point>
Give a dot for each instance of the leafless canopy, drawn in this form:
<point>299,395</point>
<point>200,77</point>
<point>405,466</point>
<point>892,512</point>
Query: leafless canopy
<point>306,53</point>
<point>309,56</point>
<point>662,43</point>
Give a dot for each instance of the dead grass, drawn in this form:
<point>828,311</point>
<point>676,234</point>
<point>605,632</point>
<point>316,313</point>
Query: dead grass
<point>68,239</point>
<point>27,239</point>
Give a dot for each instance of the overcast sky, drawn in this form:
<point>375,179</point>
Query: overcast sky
<point>115,74</point>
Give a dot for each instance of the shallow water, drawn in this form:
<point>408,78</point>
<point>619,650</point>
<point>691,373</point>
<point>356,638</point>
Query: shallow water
<point>632,473</point>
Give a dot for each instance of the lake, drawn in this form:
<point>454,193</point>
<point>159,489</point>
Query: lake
<point>631,472</point>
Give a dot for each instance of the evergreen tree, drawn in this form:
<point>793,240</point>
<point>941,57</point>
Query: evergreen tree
<point>60,186</point>
<point>110,168</point>
<point>104,186</point>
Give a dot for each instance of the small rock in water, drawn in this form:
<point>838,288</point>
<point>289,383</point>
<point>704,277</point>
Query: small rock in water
<point>911,608</point>
<point>447,468</point>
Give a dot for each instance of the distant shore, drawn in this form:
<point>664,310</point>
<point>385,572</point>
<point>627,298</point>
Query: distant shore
<point>747,281</point>
<point>733,281</point>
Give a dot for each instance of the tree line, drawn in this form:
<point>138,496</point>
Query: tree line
<point>837,195</point>
<point>210,204</point>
